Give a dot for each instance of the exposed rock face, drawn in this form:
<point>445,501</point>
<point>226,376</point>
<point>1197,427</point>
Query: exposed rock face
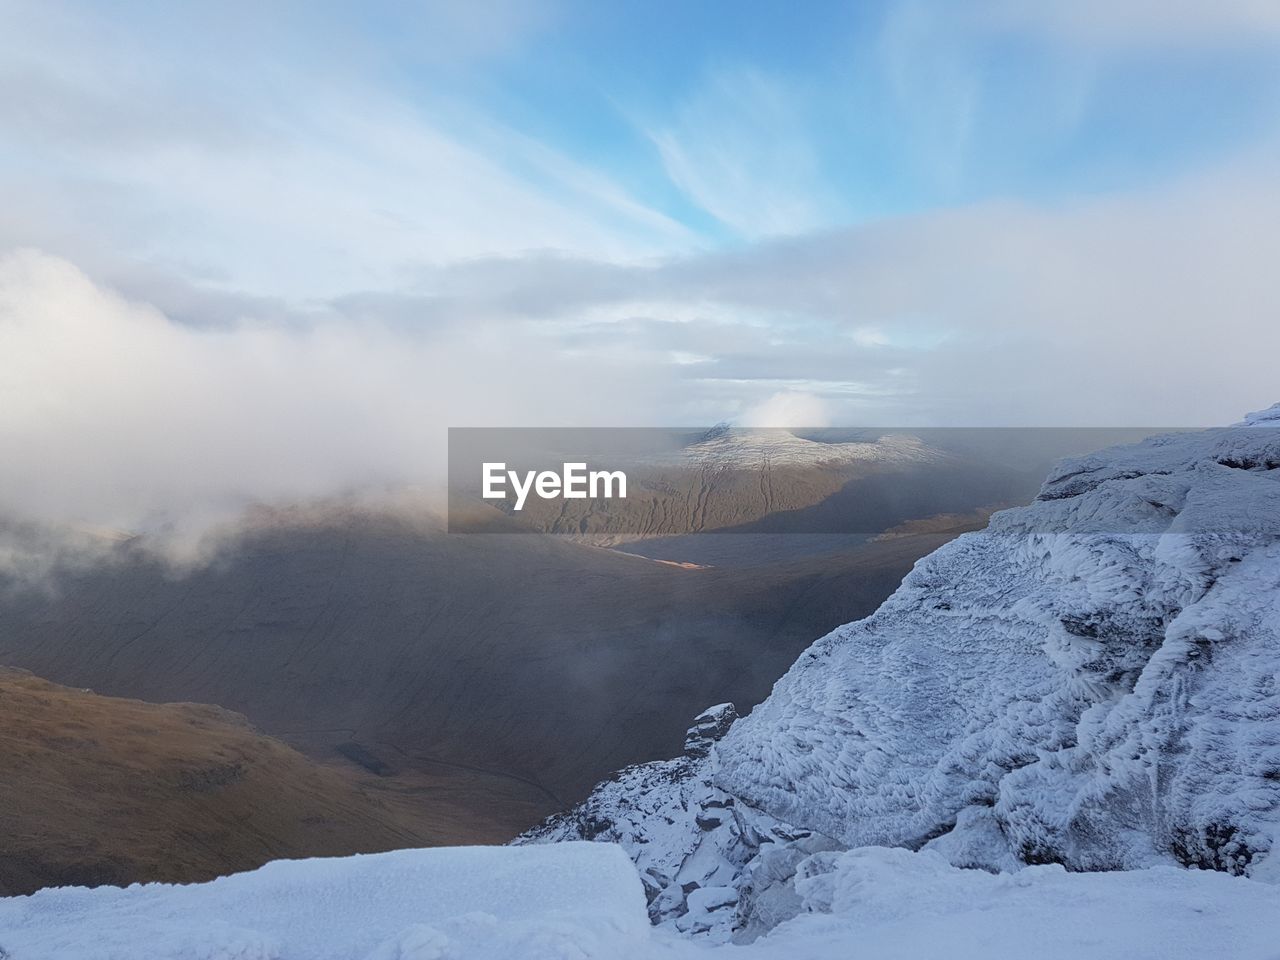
<point>690,839</point>
<point>1094,680</point>
<point>708,727</point>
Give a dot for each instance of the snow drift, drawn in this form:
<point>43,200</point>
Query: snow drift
<point>467,902</point>
<point>583,902</point>
<point>1093,681</point>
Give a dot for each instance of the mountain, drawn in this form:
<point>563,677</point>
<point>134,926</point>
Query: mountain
<point>499,676</point>
<point>1092,681</point>
<point>750,482</point>
<point>98,790</point>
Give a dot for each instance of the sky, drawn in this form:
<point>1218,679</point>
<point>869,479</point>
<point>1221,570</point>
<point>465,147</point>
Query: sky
<point>273,250</point>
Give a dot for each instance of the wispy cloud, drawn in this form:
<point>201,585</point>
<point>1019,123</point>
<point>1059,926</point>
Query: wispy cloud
<point>739,147</point>
<point>283,176</point>
<point>1142,23</point>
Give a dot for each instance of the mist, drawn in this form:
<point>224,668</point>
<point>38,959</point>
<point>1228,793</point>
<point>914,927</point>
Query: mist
<point>114,416</point>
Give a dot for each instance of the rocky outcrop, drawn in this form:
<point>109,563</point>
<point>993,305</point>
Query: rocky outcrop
<point>691,840</point>
<point>1093,681</point>
<point>709,727</point>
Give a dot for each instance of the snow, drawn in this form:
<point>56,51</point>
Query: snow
<point>1097,674</point>
<point>892,904</point>
<point>1092,681</point>
<point>583,902</point>
<point>739,447</point>
<point>571,900</point>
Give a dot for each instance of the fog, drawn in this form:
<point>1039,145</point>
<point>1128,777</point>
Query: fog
<point>1131,311</point>
<point>113,415</point>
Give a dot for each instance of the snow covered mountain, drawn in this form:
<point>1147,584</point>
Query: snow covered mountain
<point>745,448</point>
<point>1093,681</point>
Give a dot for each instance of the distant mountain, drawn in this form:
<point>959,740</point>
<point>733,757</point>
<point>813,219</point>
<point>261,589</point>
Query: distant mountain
<point>772,481</point>
<point>98,790</point>
<point>753,449</point>
<point>1093,680</point>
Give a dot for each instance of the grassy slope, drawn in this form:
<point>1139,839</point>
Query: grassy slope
<point>103,790</point>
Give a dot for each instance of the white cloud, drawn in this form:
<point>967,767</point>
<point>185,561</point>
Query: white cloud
<point>322,277</point>
<point>1151,307</point>
<point>739,148</point>
<point>112,414</point>
<point>1142,23</point>
<point>233,150</point>
<point>1154,308</point>
<point>870,337</point>
<point>788,409</point>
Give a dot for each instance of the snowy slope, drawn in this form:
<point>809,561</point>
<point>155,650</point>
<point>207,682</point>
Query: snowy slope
<point>1092,681</point>
<point>467,902</point>
<point>583,902</point>
<point>736,447</point>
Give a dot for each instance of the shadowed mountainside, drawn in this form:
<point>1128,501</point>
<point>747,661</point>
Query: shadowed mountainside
<point>517,668</point>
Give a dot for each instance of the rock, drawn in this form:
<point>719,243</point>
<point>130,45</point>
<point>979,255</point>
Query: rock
<point>1093,681</point>
<point>708,727</point>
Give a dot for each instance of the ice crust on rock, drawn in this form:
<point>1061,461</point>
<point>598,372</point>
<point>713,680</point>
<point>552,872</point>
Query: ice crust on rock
<point>1092,681</point>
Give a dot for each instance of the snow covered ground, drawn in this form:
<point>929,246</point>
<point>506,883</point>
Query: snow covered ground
<point>577,901</point>
<point>561,901</point>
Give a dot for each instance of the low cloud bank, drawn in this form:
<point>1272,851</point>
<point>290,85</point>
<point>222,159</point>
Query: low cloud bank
<point>176,405</point>
<point>114,416</point>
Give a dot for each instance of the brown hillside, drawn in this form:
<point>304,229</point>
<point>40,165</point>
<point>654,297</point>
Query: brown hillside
<point>99,790</point>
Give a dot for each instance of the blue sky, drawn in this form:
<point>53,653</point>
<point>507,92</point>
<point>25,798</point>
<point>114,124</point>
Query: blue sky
<point>887,108</point>
<point>636,129</point>
<point>366,222</point>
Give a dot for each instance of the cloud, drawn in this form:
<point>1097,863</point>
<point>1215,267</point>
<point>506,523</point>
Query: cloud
<point>112,414</point>
<point>1141,23</point>
<point>739,148</point>
<point>870,337</point>
<point>788,409</point>
<point>935,84</point>
<point>1138,309</point>
<point>1149,307</point>
<point>277,154</point>
<point>285,280</point>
